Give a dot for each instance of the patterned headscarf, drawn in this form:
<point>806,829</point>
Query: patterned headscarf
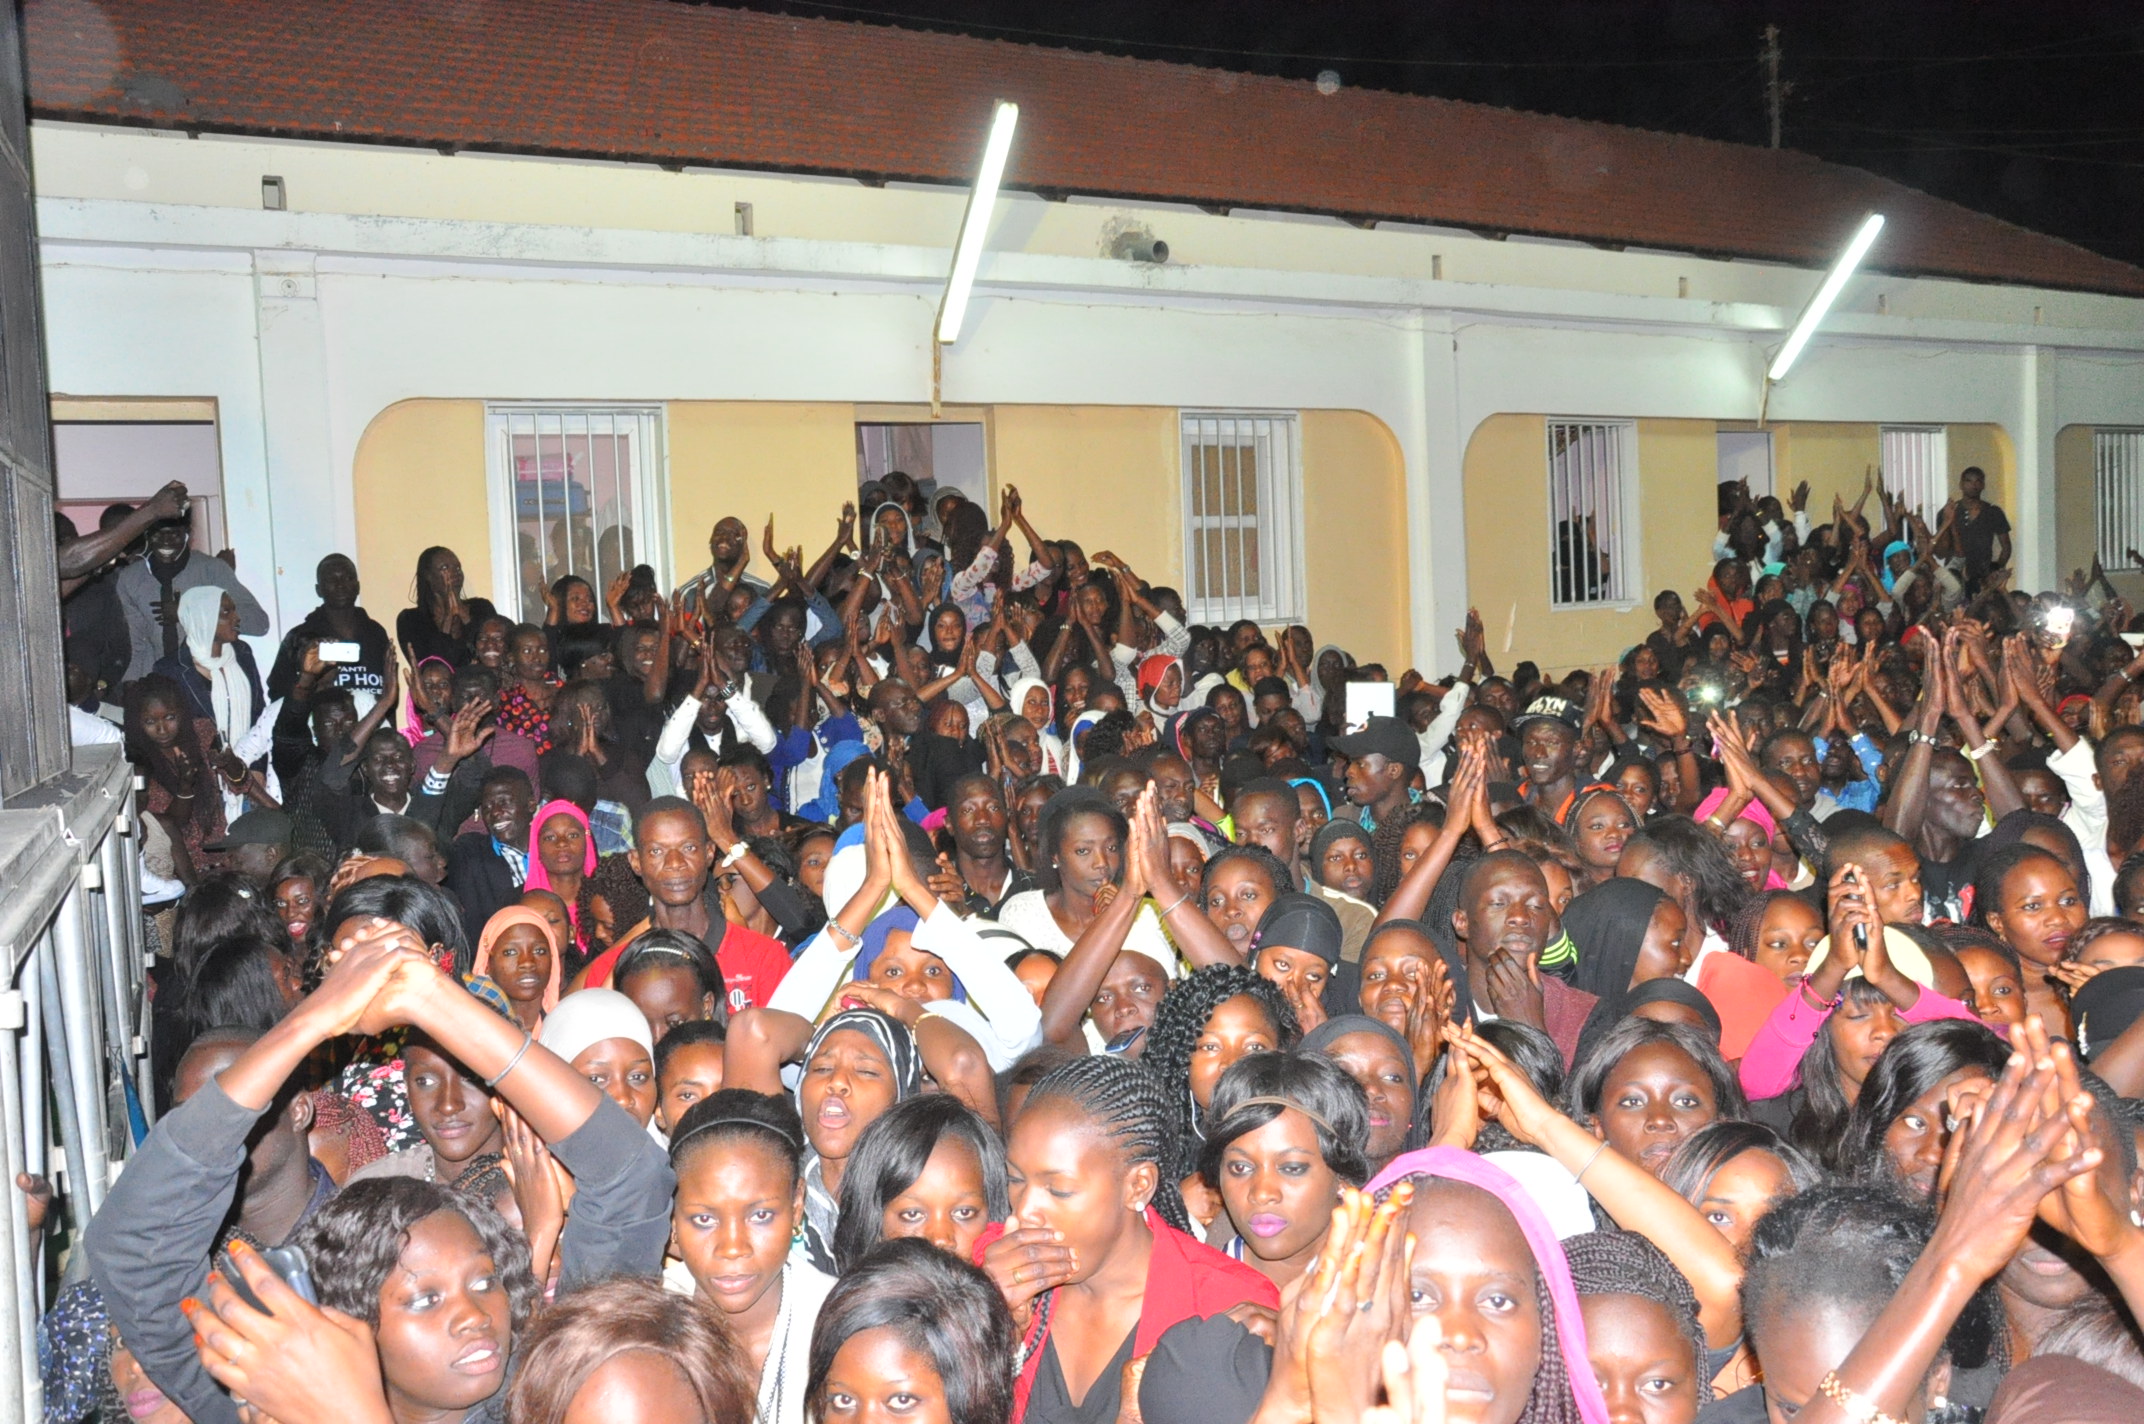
<point>74,1358</point>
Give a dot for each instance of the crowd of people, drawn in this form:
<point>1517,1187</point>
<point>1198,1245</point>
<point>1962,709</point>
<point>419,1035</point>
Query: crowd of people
<point>941,983</point>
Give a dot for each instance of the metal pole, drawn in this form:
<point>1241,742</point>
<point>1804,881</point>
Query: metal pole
<point>19,1305</point>
<point>80,1014</point>
<point>58,1050</point>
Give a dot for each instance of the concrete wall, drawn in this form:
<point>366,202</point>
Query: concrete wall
<point>400,276</point>
<point>1105,476</point>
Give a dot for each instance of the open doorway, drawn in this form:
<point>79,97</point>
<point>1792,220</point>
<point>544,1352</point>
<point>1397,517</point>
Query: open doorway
<point>937,455</point>
<point>107,452</point>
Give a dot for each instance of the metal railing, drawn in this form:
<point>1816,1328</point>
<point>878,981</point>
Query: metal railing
<point>73,1023</point>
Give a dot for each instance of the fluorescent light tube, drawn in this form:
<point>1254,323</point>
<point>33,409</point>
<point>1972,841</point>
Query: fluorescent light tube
<point>975,223</point>
<point>1819,305</point>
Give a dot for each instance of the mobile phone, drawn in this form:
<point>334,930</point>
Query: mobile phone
<point>1123,1042</point>
<point>288,1262</point>
<point>339,652</point>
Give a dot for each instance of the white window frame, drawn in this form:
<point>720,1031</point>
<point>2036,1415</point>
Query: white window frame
<point>2118,495</point>
<point>650,481</point>
<point>1913,461</point>
<point>1616,490</point>
<point>1277,527</point>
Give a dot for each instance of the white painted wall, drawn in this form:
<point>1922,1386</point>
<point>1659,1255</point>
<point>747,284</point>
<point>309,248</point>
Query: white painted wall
<point>304,325</point>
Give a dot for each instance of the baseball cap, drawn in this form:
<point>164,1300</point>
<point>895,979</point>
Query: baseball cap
<point>255,828</point>
<point>1387,737</point>
<point>1549,708</point>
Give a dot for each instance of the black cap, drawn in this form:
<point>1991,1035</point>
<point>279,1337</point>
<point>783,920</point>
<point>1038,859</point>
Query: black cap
<point>1387,737</point>
<point>2107,1003</point>
<point>255,828</point>
<point>1549,708</point>
<point>1296,921</point>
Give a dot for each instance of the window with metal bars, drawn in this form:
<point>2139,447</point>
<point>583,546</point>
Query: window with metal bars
<point>1592,513</point>
<point>1915,460</point>
<point>1243,517</point>
<point>2118,485</point>
<point>576,490</point>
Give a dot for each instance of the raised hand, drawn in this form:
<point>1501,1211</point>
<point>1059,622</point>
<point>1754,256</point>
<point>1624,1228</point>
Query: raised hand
<point>1025,1262</point>
<point>1663,714</point>
<point>287,1361</point>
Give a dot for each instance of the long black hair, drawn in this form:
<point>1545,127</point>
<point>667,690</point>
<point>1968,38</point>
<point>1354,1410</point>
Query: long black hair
<point>1179,1022</point>
<point>1688,849</point>
<point>1818,1126</point>
<point>182,769</point>
<point>425,910</point>
<point>1912,1063</point>
<point>891,1154</point>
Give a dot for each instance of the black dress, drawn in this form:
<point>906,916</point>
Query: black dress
<point>1050,1402</point>
<point>421,638</point>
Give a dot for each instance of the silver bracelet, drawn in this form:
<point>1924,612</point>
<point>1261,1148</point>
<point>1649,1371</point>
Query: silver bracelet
<point>514,1062</point>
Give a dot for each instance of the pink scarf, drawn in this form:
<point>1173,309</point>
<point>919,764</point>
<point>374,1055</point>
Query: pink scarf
<point>1454,1165</point>
<point>1757,815</point>
<point>539,879</point>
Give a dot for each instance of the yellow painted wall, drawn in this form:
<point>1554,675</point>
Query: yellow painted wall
<point>1105,476</point>
<point>1505,475</point>
<point>419,481</point>
<point>796,462</point>
<point>1678,470</point>
<point>1355,560</point>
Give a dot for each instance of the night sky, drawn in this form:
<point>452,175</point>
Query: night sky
<point>2032,110</point>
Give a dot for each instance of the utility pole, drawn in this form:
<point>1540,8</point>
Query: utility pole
<point>1775,93</point>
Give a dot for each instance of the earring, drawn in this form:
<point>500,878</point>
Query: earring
<point>2136,1218</point>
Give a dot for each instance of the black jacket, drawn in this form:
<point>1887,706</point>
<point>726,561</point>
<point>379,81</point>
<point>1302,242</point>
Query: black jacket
<point>481,879</point>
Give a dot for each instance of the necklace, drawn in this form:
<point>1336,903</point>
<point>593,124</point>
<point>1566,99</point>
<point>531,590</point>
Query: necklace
<point>773,1373</point>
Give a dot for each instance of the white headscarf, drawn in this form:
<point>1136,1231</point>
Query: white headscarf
<point>589,1016</point>
<point>230,695</point>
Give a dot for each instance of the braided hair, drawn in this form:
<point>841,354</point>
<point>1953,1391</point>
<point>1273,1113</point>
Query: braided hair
<point>1625,1263</point>
<point>1385,846</point>
<point>1180,1021</point>
<point>1127,1103</point>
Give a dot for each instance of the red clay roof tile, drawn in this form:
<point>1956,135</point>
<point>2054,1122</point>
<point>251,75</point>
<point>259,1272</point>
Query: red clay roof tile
<point>654,80</point>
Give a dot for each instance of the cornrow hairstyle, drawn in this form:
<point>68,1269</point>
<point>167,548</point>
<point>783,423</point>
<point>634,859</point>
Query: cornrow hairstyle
<point>1589,1075</point>
<point>1625,1263</point>
<point>688,1034</point>
<point>356,1239</point>
<point>891,1154</point>
<point>1957,937</point>
<point>1818,1126</point>
<point>1126,1101</point>
<point>1257,855</point>
<point>1849,1248</point>
<point>730,1115</point>
<point>1385,846</point>
<point>1704,1152</point>
<point>2097,928</point>
<point>1321,1090</point>
<point>1180,1021</point>
<point>1996,868</point>
<point>1749,923</point>
<point>1922,1056</point>
<point>484,1178</point>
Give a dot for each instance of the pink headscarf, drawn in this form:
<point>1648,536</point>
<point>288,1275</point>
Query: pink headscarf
<point>1755,813</point>
<point>418,729</point>
<point>505,920</point>
<point>539,879</point>
<point>1454,1165</point>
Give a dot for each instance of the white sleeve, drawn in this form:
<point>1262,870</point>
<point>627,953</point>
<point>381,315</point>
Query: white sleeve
<point>2087,813</point>
<point>677,734</point>
<point>750,720</point>
<point>994,991</point>
<point>1146,938</point>
<point>260,736</point>
<point>1175,637</point>
<point>1801,526</point>
<point>1023,658</point>
<point>965,1018</point>
<point>1439,730</point>
<point>814,977</point>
